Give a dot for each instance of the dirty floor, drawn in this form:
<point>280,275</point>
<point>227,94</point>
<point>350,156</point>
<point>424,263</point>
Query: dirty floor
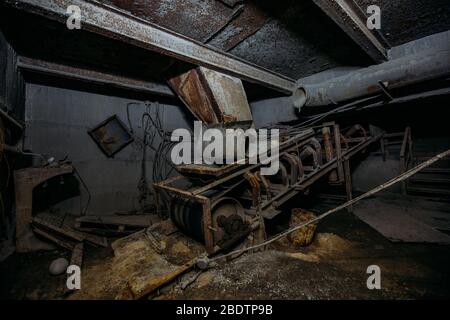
<point>332,267</point>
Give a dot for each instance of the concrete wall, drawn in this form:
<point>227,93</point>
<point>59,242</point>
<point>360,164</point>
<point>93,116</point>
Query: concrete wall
<point>57,122</point>
<point>58,119</point>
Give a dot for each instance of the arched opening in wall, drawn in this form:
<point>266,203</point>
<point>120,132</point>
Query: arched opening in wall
<point>48,197</point>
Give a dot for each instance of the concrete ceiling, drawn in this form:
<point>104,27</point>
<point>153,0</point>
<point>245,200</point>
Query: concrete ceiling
<point>407,20</point>
<point>291,37</point>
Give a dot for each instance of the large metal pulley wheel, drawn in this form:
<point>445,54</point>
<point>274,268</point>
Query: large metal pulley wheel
<point>228,219</point>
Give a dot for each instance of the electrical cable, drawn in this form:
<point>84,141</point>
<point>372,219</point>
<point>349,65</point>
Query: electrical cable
<point>158,140</point>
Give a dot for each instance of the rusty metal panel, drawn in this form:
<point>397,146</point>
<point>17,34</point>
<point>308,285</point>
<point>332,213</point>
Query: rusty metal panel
<point>111,135</point>
<point>211,96</point>
<point>229,96</point>
<point>249,21</point>
<point>191,90</point>
<point>195,19</point>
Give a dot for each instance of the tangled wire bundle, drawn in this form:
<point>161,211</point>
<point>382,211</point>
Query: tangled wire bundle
<point>158,140</point>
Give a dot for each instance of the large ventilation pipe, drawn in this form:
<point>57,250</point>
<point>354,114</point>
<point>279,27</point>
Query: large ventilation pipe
<point>407,70</point>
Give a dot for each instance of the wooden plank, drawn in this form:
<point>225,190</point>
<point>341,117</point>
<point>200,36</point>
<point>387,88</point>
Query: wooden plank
<point>156,283</point>
<point>64,244</point>
<point>60,230</point>
<point>125,220</point>
<point>105,232</point>
<point>132,237</point>
<point>70,233</point>
<point>77,255</point>
<point>207,223</point>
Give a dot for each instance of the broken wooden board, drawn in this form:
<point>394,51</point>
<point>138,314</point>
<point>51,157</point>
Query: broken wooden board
<point>70,233</point>
<point>60,242</point>
<point>154,241</point>
<point>130,238</point>
<point>143,221</point>
<point>113,225</point>
<point>77,255</point>
<point>139,291</point>
<point>136,261</point>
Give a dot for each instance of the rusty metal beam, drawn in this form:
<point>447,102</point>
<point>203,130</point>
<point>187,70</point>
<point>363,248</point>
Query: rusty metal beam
<point>92,76</point>
<point>351,19</point>
<point>116,24</point>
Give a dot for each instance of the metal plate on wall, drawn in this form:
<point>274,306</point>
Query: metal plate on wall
<point>111,135</point>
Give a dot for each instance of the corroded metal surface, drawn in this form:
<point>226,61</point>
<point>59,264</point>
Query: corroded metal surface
<point>264,195</point>
<point>229,94</point>
<point>211,96</point>
<point>249,21</point>
<point>405,71</point>
<point>116,24</point>
<point>191,90</point>
<point>195,19</point>
<point>408,20</point>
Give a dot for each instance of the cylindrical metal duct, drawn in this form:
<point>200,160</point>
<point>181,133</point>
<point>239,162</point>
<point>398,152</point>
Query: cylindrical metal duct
<point>396,73</point>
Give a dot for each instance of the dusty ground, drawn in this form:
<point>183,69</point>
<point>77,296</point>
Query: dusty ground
<point>333,267</point>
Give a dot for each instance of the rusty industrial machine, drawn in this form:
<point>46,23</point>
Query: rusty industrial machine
<point>223,205</point>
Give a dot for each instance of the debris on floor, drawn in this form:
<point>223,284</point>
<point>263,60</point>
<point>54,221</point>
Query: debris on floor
<point>58,266</point>
<point>303,236</point>
<point>45,227</point>
<point>140,265</point>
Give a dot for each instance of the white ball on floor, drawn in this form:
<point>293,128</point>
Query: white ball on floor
<point>58,266</point>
